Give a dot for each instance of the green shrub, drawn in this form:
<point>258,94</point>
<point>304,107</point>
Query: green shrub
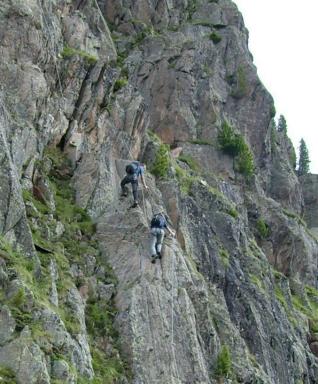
<point>262,228</point>
<point>234,145</point>
<point>225,257</point>
<point>232,212</point>
<point>311,292</point>
<point>223,363</point>
<point>153,136</point>
<point>215,37</point>
<point>245,161</point>
<point>7,376</point>
<point>256,281</point>
<point>161,164</point>
<point>300,305</point>
<point>144,30</point>
<point>314,325</point>
<point>185,180</point>
<point>308,305</point>
<point>18,299</point>
<point>121,59</point>
<point>106,370</point>
<point>70,52</point>
<point>229,141</point>
<point>57,157</point>
<point>120,83</point>
<point>281,297</point>
<point>99,319</point>
<point>39,205</point>
<point>71,322</point>
<point>240,89</point>
<point>21,318</point>
<point>140,36</point>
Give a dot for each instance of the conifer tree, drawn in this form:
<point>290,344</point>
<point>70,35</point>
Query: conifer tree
<point>282,124</point>
<point>303,163</point>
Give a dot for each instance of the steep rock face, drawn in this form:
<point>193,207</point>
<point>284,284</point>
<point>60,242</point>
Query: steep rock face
<point>12,214</point>
<point>167,311</point>
<point>197,75</point>
<point>240,260</point>
<point>309,187</point>
<point>241,274</point>
<point>284,185</point>
<point>191,82</point>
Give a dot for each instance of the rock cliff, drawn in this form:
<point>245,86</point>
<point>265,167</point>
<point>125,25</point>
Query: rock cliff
<point>86,86</point>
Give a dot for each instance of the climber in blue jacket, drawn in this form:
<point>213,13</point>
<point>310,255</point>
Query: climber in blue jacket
<point>134,170</point>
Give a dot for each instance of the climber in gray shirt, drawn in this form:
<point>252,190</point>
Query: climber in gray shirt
<point>157,226</point>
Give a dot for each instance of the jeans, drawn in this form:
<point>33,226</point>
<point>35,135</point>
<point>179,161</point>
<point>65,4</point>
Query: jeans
<point>134,184</point>
<point>156,240</point>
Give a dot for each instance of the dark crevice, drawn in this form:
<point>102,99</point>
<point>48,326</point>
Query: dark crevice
<point>79,4</point>
<point>65,138</point>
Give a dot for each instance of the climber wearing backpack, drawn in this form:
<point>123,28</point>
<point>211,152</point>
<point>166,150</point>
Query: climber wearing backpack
<point>157,226</point>
<point>134,170</point>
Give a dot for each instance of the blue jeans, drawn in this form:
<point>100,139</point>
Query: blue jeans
<point>157,235</point>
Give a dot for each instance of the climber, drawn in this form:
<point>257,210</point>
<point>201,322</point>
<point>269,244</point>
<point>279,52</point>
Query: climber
<point>133,170</point>
<point>157,226</point>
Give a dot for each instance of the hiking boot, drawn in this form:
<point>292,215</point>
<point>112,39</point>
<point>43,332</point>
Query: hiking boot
<point>135,205</point>
<point>124,194</point>
<point>158,255</point>
<point>153,259</point>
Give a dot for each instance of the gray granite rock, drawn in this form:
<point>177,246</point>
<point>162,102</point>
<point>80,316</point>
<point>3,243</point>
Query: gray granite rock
<point>61,371</point>
<point>7,325</point>
<point>26,359</point>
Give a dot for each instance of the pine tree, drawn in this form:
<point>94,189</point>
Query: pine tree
<point>303,164</point>
<point>282,124</point>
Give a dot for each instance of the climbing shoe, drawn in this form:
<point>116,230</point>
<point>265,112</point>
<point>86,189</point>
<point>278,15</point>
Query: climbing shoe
<point>158,255</point>
<point>135,205</point>
<point>153,259</point>
<point>124,194</point>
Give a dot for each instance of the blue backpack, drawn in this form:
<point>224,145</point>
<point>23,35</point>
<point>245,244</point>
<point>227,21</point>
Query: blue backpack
<point>132,168</point>
<point>158,221</point>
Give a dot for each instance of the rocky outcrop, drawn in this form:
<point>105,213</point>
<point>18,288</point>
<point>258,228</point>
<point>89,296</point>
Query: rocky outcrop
<point>309,187</point>
<point>86,87</point>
